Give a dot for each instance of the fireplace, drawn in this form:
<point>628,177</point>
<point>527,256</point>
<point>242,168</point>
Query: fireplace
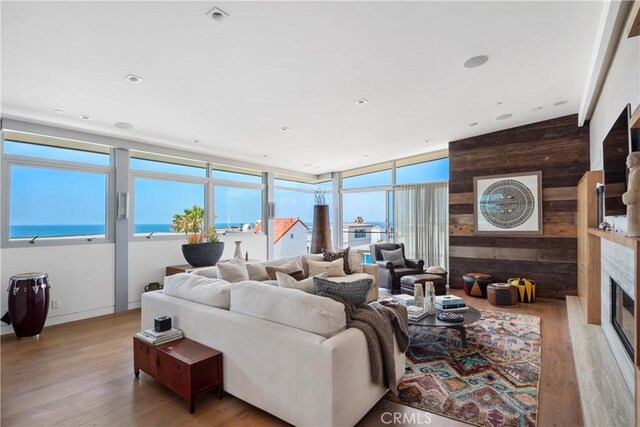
<point>622,317</point>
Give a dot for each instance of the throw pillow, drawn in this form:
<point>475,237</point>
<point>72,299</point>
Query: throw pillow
<point>233,270</point>
<point>305,261</point>
<point>355,262</point>
<point>292,268</point>
<point>305,285</point>
<point>343,254</point>
<point>394,257</point>
<point>355,292</point>
<point>333,268</point>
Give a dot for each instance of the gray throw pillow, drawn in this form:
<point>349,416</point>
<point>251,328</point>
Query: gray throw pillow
<point>355,292</point>
<point>394,257</point>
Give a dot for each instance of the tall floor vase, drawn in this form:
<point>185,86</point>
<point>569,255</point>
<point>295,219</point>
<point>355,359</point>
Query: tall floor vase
<point>321,234</point>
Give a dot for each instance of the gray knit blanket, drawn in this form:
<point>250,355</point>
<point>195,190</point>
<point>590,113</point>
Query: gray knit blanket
<point>379,321</point>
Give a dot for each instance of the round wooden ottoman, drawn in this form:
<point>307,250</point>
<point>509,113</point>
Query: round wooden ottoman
<point>526,289</point>
<point>475,284</point>
<point>408,283</point>
<point>502,295</point>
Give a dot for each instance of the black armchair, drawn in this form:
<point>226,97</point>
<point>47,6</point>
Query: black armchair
<point>388,275</point>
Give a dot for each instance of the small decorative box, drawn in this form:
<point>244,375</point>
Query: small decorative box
<point>162,323</point>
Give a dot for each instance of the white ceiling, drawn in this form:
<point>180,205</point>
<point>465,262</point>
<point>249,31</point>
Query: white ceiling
<point>233,85</point>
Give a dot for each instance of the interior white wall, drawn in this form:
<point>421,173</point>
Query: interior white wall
<point>81,276</point>
<point>148,259</point>
<point>621,87</point>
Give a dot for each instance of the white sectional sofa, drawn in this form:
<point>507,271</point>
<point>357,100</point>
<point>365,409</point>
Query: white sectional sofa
<point>258,272</point>
<point>284,351</point>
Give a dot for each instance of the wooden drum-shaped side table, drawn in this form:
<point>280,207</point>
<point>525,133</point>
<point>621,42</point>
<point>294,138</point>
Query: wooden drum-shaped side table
<point>502,295</point>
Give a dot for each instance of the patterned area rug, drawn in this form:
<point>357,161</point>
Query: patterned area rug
<point>493,382</point>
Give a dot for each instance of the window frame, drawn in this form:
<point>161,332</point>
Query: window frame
<point>10,160</point>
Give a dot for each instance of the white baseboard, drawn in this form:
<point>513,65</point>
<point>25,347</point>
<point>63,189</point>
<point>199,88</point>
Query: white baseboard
<point>134,304</point>
<point>64,318</point>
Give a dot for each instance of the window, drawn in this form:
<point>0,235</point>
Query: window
<point>253,178</point>
<point>156,201</point>
<point>294,184</point>
<point>430,171</point>
<point>49,202</point>
<point>372,179</point>
<point>57,153</point>
<point>364,216</point>
<point>165,164</point>
<point>237,208</point>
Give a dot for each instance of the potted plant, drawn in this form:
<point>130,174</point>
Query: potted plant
<point>202,248</point>
<point>321,233</point>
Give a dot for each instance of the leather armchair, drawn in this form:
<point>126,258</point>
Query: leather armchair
<point>388,275</point>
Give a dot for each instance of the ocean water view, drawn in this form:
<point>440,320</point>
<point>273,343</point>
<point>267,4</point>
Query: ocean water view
<point>59,230</point>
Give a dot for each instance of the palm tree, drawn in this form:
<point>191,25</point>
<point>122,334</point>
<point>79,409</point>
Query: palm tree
<point>189,222</point>
<point>359,220</point>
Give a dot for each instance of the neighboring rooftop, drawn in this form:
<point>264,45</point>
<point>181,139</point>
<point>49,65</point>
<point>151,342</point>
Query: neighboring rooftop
<point>282,227</point>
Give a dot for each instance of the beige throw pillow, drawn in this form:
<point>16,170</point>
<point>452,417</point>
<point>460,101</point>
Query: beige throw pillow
<point>233,270</point>
<point>306,285</point>
<point>333,268</point>
<point>355,262</point>
<point>291,267</point>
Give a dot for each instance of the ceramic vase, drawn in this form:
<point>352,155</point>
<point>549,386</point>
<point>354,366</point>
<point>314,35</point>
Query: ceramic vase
<point>418,296</point>
<point>238,252</point>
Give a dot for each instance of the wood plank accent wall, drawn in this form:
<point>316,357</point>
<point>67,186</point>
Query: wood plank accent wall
<point>558,148</point>
<point>589,247</point>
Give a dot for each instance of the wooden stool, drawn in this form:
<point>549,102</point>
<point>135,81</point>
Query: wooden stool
<point>502,295</point>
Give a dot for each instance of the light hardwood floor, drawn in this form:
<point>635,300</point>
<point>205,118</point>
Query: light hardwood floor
<point>81,373</point>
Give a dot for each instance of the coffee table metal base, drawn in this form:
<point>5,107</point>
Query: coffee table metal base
<point>469,316</point>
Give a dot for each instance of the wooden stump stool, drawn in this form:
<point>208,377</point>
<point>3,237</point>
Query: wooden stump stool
<point>502,295</point>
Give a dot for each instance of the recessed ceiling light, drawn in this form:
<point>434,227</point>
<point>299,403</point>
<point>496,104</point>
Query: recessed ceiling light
<point>133,79</point>
<point>196,141</point>
<point>427,140</point>
<point>217,14</point>
<point>499,103</point>
<point>564,101</point>
<point>285,129</point>
<point>476,61</point>
<point>307,165</point>
<point>504,116</point>
<point>366,155</point>
<point>473,124</point>
<point>123,125</point>
<point>361,101</point>
<point>58,111</point>
<point>536,109</point>
<point>84,117</point>
<point>264,155</point>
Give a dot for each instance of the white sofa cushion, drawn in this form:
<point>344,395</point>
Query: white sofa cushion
<point>204,290</point>
<point>290,307</point>
<point>211,272</point>
<point>305,285</point>
<point>233,270</point>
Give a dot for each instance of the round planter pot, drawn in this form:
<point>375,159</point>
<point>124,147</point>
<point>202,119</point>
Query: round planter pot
<point>202,254</point>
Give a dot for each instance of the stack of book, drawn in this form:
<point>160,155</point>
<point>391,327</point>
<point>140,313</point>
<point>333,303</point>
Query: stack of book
<point>416,313</point>
<point>404,299</point>
<point>157,338</point>
<point>450,303</point>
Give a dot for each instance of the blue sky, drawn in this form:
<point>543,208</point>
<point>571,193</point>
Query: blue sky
<point>46,196</point>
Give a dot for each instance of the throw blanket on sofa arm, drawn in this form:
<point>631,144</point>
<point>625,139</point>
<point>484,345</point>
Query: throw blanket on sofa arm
<point>379,321</point>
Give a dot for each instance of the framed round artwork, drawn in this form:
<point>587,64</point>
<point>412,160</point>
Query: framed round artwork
<point>508,204</point>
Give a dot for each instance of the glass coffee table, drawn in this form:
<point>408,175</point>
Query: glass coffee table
<point>431,321</point>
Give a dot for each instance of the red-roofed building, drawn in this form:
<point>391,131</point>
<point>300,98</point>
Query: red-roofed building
<point>290,237</point>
